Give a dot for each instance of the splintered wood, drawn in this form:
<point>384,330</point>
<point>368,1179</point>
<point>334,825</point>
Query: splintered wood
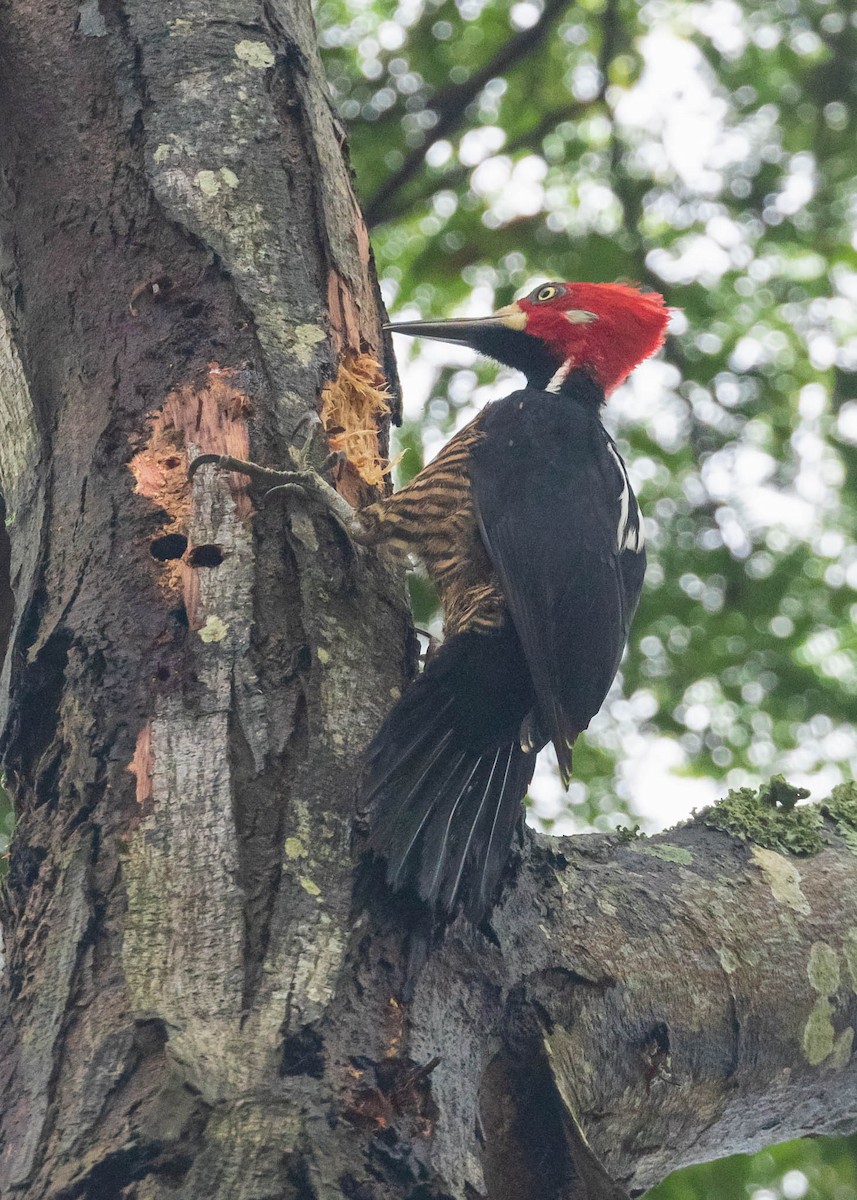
<point>354,405</point>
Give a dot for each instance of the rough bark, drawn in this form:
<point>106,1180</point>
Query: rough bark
<point>196,1001</point>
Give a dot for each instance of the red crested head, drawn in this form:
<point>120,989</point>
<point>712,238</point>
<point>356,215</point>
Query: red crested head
<point>602,329</point>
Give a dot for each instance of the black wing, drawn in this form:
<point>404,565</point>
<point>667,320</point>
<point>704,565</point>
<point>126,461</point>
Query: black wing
<point>562,529</point>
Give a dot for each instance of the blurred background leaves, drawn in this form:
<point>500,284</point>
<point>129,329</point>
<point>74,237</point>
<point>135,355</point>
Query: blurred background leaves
<point>705,150</point>
<point>822,1169</point>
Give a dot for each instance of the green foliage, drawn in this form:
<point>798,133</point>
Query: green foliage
<point>822,1169</point>
<point>769,818</point>
<point>706,151</point>
<point>666,851</point>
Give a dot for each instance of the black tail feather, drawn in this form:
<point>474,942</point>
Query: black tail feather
<point>451,814</point>
<point>458,854</point>
<point>411,820</point>
<point>499,828</point>
<point>448,774</point>
<point>395,758</point>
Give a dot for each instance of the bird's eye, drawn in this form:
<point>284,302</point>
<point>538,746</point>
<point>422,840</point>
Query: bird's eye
<point>548,291</point>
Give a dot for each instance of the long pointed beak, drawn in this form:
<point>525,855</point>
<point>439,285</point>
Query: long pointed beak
<point>466,331</point>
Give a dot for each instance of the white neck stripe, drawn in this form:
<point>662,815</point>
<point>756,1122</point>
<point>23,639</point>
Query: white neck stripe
<point>559,376</point>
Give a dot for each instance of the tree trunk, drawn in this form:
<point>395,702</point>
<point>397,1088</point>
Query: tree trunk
<point>197,1003</point>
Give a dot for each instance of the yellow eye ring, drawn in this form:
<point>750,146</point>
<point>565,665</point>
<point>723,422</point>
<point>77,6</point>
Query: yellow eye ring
<point>547,291</point>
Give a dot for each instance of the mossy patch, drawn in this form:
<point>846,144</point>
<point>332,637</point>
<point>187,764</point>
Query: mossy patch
<point>841,808</point>
<point>304,338</point>
<point>728,961</point>
<point>627,833</point>
<point>769,817</point>
<point>820,1043</point>
<point>214,630</point>
<point>841,1052</point>
<point>255,54</point>
<point>783,879</point>
<point>819,1035</point>
<point>211,182</point>
<point>823,968</point>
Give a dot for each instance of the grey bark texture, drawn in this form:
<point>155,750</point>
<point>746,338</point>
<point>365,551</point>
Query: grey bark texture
<point>197,1000</point>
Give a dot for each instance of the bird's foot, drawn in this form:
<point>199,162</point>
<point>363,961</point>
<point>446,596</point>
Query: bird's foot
<point>302,480</point>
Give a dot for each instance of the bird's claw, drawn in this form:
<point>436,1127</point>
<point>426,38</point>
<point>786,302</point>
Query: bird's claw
<point>295,483</point>
<point>302,480</point>
<point>225,462</point>
<point>309,421</point>
<point>335,459</point>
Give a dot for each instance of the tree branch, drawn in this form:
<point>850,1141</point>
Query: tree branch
<point>528,139</point>
<point>379,209</point>
<point>451,103</point>
<point>693,995</point>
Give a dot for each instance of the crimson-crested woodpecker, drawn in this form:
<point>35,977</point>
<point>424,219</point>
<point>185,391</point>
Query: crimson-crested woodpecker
<point>528,526</point>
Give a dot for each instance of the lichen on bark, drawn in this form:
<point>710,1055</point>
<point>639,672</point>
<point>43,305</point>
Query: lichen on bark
<point>841,808</point>
<point>770,817</point>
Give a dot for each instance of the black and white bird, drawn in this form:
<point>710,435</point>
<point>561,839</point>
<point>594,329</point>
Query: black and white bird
<point>527,523</point>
